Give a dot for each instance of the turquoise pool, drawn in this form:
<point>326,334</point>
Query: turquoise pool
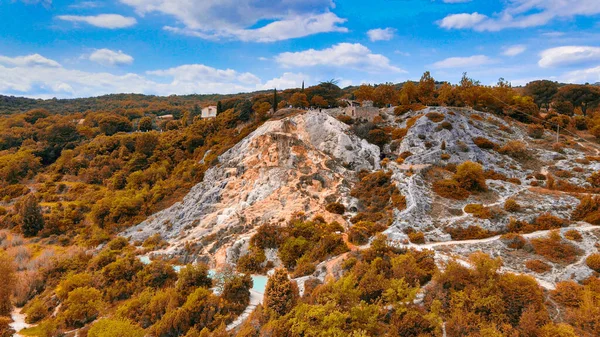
<point>259,281</point>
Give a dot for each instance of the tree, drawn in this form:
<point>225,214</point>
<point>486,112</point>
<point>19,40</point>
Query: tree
<point>470,176</point>
<point>385,94</point>
<point>583,96</point>
<point>426,89</point>
<point>219,108</point>
<point>109,124</point>
<point>318,101</point>
<point>281,294</point>
<point>82,306</point>
<point>299,100</point>
<point>237,292</point>
<point>244,110</point>
<point>275,103</point>
<point>115,328</point>
<point>32,220</point>
<point>563,107</point>
<point>542,92</point>
<point>364,93</point>
<point>145,124</point>
<point>7,283</point>
<point>408,93</point>
<point>194,276</point>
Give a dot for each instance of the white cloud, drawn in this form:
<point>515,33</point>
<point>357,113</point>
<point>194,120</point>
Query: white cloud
<point>381,34</point>
<point>107,57</point>
<point>345,55</point>
<point>290,28</point>
<point>236,19</point>
<point>191,73</point>
<point>41,77</point>
<point>111,21</point>
<point>591,75</point>
<point>464,20</point>
<point>463,62</point>
<point>568,55</point>
<point>286,81</point>
<point>34,60</point>
<point>523,14</point>
<point>86,4</point>
<point>514,50</point>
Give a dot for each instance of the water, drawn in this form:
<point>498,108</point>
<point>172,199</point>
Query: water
<point>259,281</point>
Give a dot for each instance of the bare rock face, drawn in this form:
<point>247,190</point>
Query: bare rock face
<point>295,164</point>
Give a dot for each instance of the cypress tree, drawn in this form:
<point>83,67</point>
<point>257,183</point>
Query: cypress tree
<point>31,215</point>
<point>219,108</point>
<point>302,86</point>
<point>281,294</point>
<point>275,100</point>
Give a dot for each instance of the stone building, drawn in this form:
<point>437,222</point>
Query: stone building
<point>209,112</point>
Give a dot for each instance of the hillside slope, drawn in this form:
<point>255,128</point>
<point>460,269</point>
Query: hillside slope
<point>295,164</point>
<point>303,162</point>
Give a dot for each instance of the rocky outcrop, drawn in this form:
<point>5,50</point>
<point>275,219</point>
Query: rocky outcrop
<point>294,164</point>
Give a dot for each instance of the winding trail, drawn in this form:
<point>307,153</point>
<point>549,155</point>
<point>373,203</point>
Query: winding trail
<point>18,323</point>
<point>256,298</point>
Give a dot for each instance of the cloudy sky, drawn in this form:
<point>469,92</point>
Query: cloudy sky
<point>74,48</point>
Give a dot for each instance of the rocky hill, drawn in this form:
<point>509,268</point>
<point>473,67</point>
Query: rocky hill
<point>295,164</point>
<point>304,161</point>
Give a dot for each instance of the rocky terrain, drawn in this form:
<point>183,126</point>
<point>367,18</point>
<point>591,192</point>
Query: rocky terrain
<point>295,164</point>
<point>302,162</point>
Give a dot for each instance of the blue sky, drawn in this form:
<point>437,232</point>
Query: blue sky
<point>73,48</point>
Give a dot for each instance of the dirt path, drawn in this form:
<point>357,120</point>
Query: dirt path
<point>256,298</point>
<point>18,323</point>
<point>433,245</point>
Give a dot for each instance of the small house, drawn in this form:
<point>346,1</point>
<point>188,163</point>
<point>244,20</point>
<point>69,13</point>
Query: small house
<point>209,112</point>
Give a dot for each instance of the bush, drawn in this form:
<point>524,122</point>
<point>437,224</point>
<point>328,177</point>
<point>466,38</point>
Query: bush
<point>588,210</point>
<point>399,133</point>
<point>567,293</point>
<point>470,176</point>
<point>472,232</point>
<point>515,149</point>
<point>36,310</point>
<point>361,232</point>
<point>445,125</point>
<point>336,208</point>
<point>593,261</point>
<point>484,143</point>
<point>345,119</point>
<point>378,196</point>
<point>115,328</point>
<point>193,276</point>
<point>513,241</point>
<point>535,131</point>
<point>553,249</point>
<point>435,117</point>
<point>445,156</point>
<point>81,307</point>
<point>450,189</point>
<point>416,237</point>
<point>594,179</point>
<point>511,205</point>
<point>538,266</point>
<point>547,221</point>
<point>478,211</point>
<point>252,262</point>
<point>573,235</point>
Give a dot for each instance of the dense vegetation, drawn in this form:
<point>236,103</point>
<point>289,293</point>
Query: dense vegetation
<point>73,173</point>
